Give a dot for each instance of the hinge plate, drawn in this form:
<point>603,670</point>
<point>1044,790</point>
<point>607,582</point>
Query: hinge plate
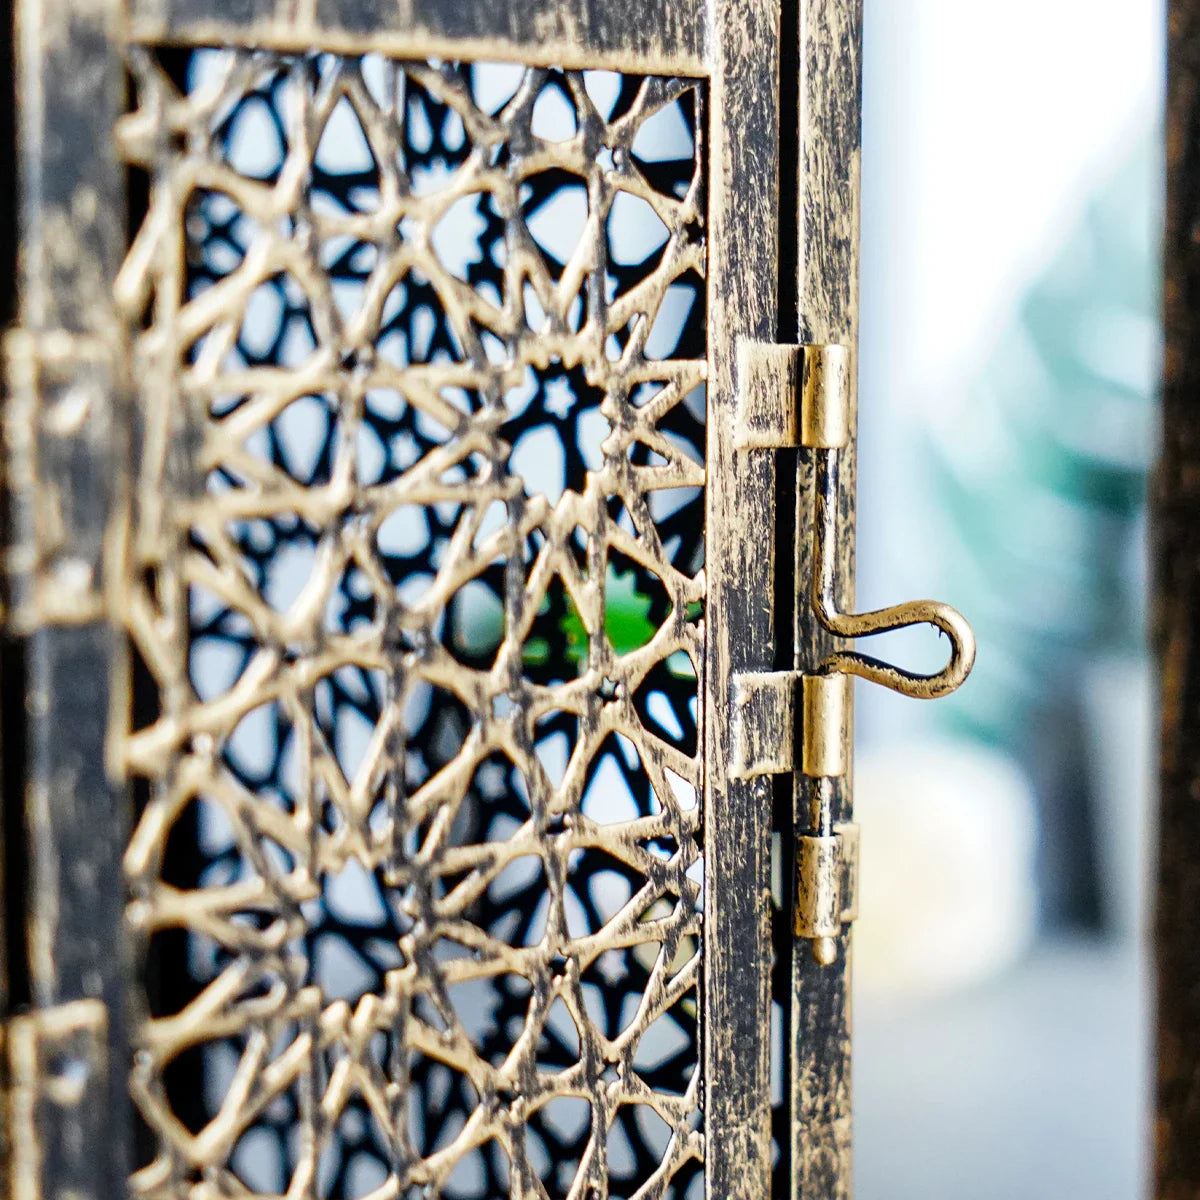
<point>58,1068</point>
<point>772,378</point>
<point>762,724</point>
<point>57,432</point>
<point>762,734</point>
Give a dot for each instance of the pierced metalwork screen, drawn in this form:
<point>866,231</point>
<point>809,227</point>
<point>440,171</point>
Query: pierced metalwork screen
<point>416,598</point>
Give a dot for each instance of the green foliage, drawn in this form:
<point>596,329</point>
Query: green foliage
<point>479,628</point>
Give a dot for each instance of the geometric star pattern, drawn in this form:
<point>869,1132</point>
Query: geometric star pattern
<point>415,596</point>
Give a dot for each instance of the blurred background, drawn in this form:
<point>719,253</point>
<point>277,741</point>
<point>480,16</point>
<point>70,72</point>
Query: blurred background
<point>1010,353</point>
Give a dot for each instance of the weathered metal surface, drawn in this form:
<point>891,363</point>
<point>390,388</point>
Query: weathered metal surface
<point>830,83</point>
<point>12,691</point>
<point>762,723</point>
<point>59,437</point>
<point>62,420</point>
<point>769,375</point>
<point>506,974</point>
<point>261,1056</point>
<point>826,718</point>
<point>793,395</point>
<point>849,626</point>
<point>661,36</point>
<point>744,268</point>
<point>802,395</point>
<point>826,888</point>
<point>1176,631</point>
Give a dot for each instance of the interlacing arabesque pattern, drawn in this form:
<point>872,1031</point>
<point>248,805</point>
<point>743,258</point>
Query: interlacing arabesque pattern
<point>415,594</point>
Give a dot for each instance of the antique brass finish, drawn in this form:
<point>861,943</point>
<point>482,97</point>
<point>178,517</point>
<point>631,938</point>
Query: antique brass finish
<point>63,428</point>
<point>821,378</point>
<point>454,793</point>
<point>819,375</point>
<point>154,495</point>
<point>826,888</point>
<point>55,384</point>
<point>800,396</point>
<point>825,397</point>
<point>827,701</point>
<point>769,417</point>
<point>764,704</point>
<point>886,620</point>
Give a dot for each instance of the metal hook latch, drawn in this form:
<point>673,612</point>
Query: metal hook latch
<point>885,620</point>
<point>815,383</point>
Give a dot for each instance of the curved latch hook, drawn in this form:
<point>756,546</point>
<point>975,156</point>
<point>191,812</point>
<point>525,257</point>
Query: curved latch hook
<point>885,620</point>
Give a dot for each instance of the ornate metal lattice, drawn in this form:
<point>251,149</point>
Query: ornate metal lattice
<point>415,590</point>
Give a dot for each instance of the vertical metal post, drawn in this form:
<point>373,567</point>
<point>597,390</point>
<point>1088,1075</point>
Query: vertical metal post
<point>62,429</point>
<point>830,79</point>
<point>743,267</point>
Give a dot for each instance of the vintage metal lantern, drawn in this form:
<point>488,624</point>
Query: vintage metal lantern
<point>429,507</point>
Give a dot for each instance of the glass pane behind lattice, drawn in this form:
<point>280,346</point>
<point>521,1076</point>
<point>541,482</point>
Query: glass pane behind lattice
<point>416,599</point>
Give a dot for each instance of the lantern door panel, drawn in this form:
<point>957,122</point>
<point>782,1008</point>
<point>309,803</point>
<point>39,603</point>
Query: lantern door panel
<point>418,586</point>
<point>389,521</point>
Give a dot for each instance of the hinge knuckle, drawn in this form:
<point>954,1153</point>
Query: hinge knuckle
<point>825,748</point>
<point>793,395</point>
<point>825,397</point>
<point>826,884</point>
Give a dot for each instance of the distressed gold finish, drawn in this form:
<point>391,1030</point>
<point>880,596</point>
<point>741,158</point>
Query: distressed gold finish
<point>764,708</point>
<point>648,36</point>
<point>826,889</point>
<point>827,701</point>
<point>886,620</point>
<point>764,711</point>
<point>766,372</point>
<point>58,1070</point>
<point>816,378</point>
<point>828,103</point>
<point>825,424</point>
<point>67,976</point>
<point>57,384</point>
<point>801,395</point>
<point>825,397</point>
<point>356,732</point>
<point>266,1004</point>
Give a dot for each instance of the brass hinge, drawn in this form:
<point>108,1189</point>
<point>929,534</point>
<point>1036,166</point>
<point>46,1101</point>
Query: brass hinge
<point>801,397</point>
<point>820,376</point>
<point>826,887</point>
<point>56,467</point>
<point>764,718</point>
<point>57,1094</point>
